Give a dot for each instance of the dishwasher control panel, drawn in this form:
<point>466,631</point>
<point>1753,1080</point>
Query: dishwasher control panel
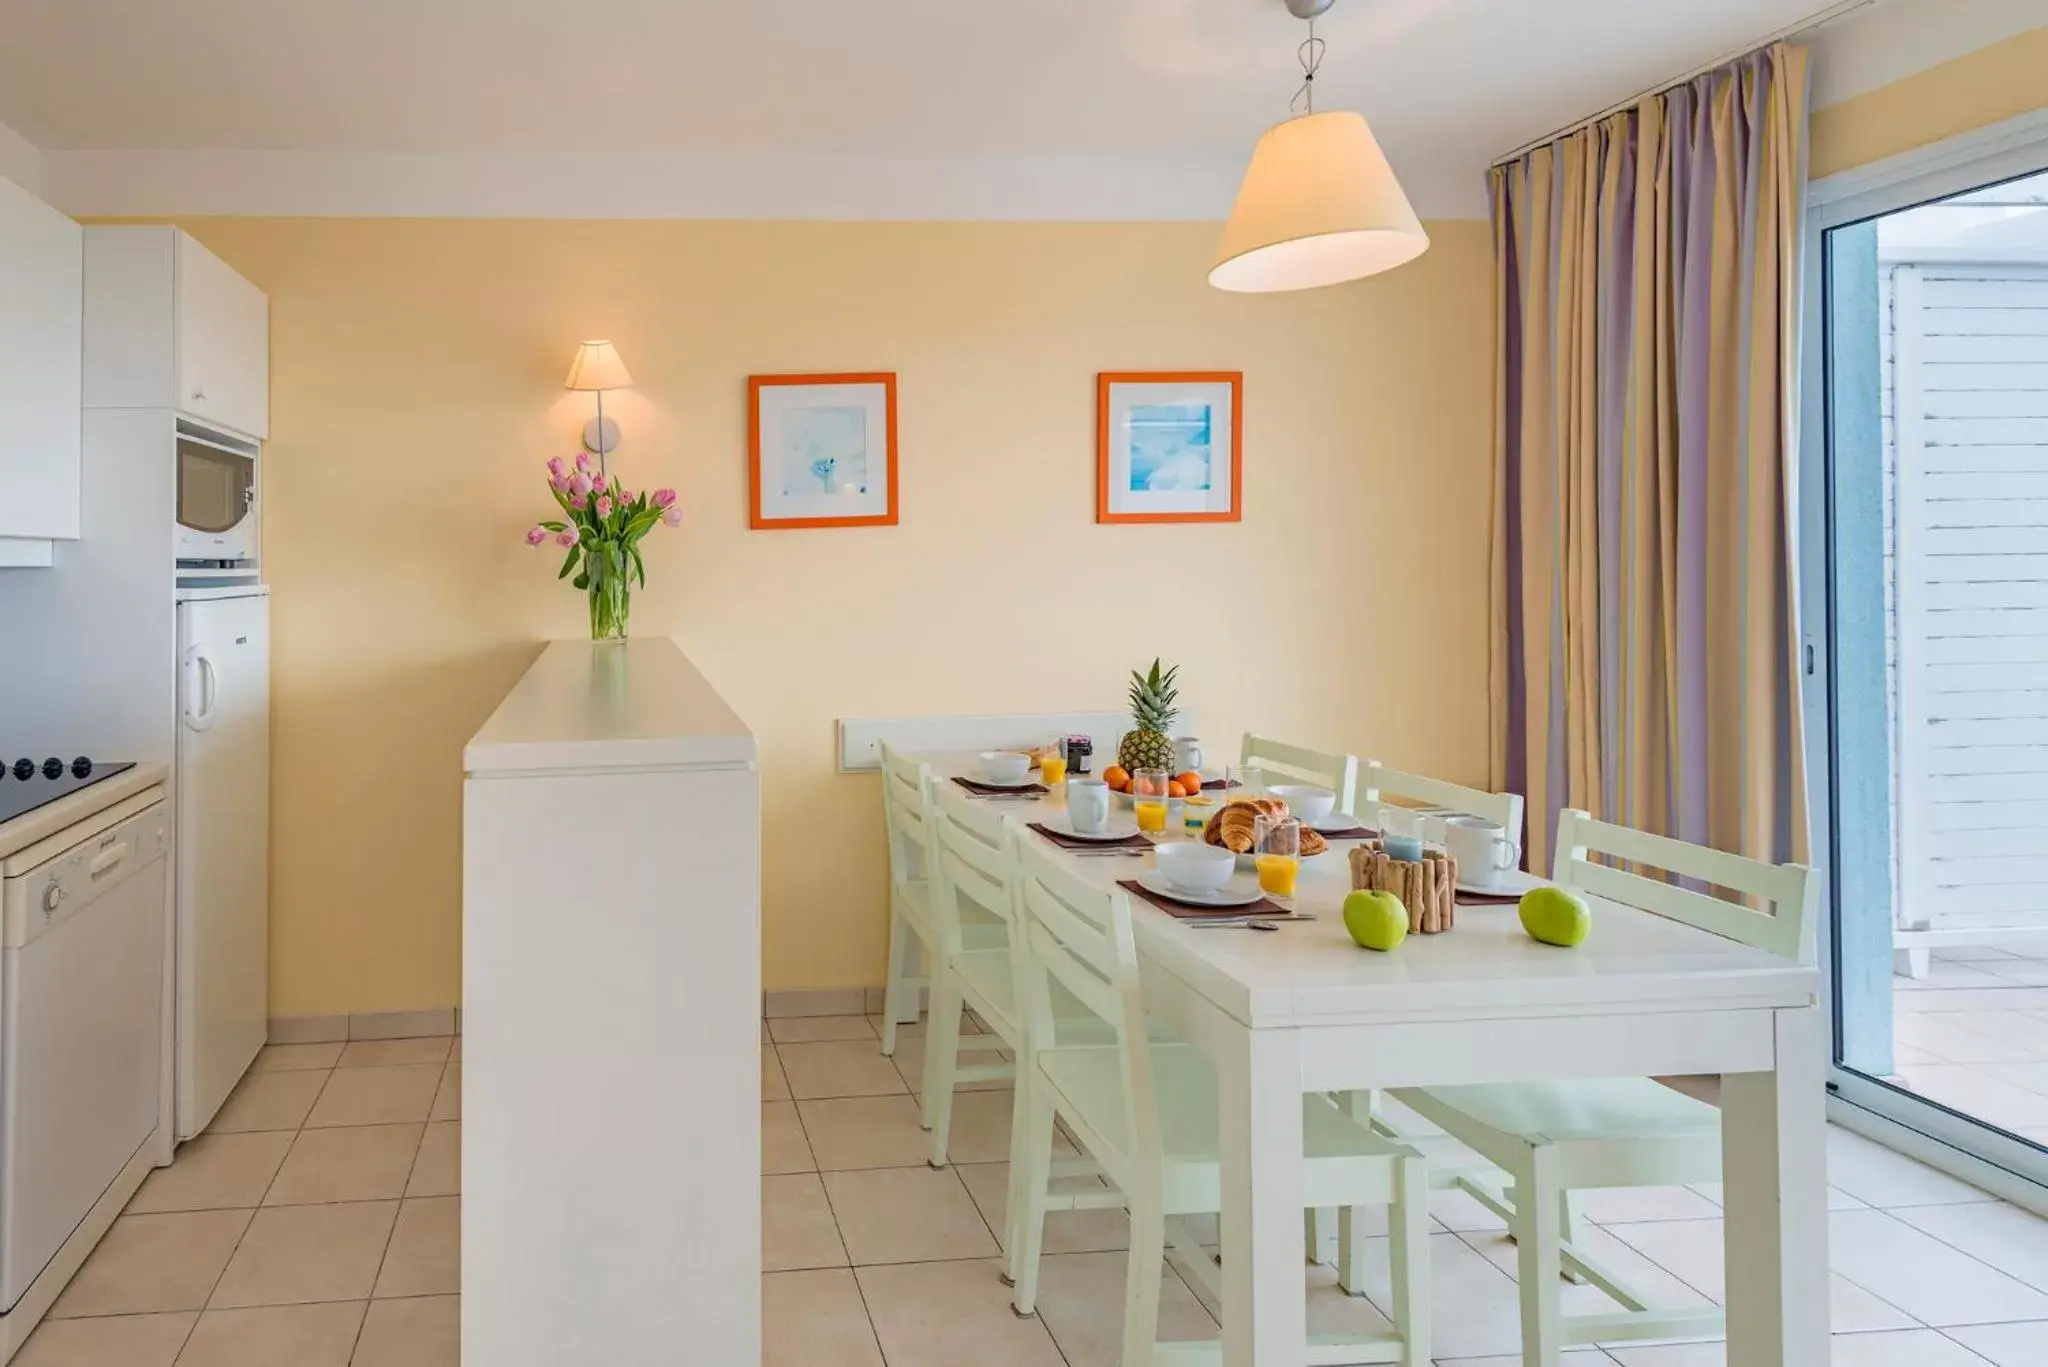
<point>46,895</point>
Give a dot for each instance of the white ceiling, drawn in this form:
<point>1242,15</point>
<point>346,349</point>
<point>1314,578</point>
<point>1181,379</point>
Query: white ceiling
<point>1147,85</point>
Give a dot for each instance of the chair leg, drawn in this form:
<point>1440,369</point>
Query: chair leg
<point>1568,1228</point>
<point>1030,1190</point>
<point>1408,1259</point>
<point>941,1059</point>
<point>1314,1239</point>
<point>1538,1264</point>
<point>1141,1281</point>
<point>892,996</point>
<point>1351,1235</point>
<point>1016,1203</point>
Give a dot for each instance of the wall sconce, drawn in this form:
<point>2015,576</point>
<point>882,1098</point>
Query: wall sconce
<point>597,367</point>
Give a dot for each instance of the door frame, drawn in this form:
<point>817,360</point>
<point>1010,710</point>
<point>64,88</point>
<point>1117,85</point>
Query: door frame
<point>2015,147</point>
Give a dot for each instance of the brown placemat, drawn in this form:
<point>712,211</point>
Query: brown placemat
<point>1349,833</point>
<point>1181,911</point>
<point>1217,785</point>
<point>1487,899</point>
<point>1136,844</point>
<point>992,790</point>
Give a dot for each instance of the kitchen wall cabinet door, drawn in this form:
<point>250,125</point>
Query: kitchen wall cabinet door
<point>223,342</point>
<point>42,320</point>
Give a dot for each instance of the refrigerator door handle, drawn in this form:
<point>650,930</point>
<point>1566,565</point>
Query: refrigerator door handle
<point>204,691</point>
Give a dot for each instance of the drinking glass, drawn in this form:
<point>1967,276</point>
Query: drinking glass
<point>1052,761</point>
<point>1276,851</point>
<point>1149,799</point>
<point>1401,832</point>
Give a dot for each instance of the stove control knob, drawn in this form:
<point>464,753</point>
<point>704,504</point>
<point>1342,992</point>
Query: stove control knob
<point>80,767</point>
<point>53,897</point>
<point>53,767</point>
<point>24,768</point>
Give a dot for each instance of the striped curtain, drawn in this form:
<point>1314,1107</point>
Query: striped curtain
<point>1647,307</point>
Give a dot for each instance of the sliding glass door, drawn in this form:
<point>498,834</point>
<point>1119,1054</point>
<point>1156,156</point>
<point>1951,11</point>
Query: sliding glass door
<point>1927,618</point>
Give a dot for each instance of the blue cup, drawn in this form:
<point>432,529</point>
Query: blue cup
<point>1407,848</point>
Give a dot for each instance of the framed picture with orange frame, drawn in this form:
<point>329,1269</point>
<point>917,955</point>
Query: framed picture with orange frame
<point>821,450</point>
<point>1169,446</point>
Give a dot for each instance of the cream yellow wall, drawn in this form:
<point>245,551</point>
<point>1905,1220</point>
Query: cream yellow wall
<point>415,393</point>
<point>1985,87</point>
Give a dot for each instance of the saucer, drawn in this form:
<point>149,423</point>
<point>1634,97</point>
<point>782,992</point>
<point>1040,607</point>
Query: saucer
<point>1513,883</point>
<point>1336,821</point>
<point>1119,828</point>
<point>1154,881</point>
<point>985,781</point>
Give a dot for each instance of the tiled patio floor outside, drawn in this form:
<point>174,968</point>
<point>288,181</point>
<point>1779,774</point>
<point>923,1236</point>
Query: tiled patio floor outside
<point>316,1225</point>
<point>1973,1034</point>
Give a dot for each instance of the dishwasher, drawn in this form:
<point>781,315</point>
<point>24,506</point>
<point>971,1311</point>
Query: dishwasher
<point>81,1024</point>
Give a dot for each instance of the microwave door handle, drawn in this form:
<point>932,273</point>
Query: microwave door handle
<point>205,690</point>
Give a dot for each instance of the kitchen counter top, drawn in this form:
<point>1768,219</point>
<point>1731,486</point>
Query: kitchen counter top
<point>636,704</point>
<point>52,817</point>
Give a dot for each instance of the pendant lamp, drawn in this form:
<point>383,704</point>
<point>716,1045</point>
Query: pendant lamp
<point>1319,203</point>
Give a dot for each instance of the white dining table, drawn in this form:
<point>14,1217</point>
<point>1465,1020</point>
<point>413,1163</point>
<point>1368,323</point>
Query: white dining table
<point>1303,1009</point>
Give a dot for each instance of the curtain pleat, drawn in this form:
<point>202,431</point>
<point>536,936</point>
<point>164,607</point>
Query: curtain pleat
<point>1646,309</point>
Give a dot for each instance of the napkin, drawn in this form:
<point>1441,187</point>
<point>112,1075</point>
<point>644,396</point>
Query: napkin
<point>1135,843</point>
<point>1181,911</point>
<point>991,790</point>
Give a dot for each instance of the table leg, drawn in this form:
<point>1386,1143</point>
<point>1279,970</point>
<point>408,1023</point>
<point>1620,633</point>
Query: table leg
<point>1774,1166</point>
<point>1265,1321</point>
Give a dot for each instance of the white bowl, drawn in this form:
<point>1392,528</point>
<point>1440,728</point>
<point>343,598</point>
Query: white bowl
<point>1004,766</point>
<point>1309,803</point>
<point>1195,867</point>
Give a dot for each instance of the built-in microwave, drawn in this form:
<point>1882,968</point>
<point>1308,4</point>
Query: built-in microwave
<point>216,499</point>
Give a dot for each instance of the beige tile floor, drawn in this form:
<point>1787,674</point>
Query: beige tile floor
<point>316,1226</point>
<point>1973,1034</point>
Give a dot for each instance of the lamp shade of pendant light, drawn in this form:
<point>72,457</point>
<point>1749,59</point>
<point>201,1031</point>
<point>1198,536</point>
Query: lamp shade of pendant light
<point>1319,205</point>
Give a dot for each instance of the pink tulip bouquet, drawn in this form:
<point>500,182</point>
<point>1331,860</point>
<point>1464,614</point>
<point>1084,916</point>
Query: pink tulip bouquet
<point>602,526</point>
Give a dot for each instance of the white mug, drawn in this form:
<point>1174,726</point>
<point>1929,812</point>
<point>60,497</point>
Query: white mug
<point>1484,849</point>
<point>1187,755</point>
<point>1088,805</point>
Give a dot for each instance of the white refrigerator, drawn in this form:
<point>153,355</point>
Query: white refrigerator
<point>222,817</point>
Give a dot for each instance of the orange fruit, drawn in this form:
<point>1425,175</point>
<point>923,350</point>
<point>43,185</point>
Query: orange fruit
<point>1175,788</point>
<point>1190,782</point>
<point>1116,777</point>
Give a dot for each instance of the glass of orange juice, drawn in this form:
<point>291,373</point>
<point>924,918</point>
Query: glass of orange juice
<point>1052,762</point>
<point>1149,798</point>
<point>1276,851</point>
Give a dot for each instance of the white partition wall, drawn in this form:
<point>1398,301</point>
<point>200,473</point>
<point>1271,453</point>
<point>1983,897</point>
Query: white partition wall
<point>611,1002</point>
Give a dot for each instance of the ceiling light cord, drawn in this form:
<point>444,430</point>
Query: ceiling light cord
<point>1311,54</point>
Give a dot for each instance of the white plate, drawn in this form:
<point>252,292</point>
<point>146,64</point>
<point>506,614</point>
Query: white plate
<point>1229,896</point>
<point>1336,821</point>
<point>1513,883</point>
<point>1118,828</point>
<point>985,781</point>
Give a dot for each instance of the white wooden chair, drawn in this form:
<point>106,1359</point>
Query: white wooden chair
<point>1378,784</point>
<point>1553,1138</point>
<point>1147,1113</point>
<point>1264,760</point>
<point>907,817</point>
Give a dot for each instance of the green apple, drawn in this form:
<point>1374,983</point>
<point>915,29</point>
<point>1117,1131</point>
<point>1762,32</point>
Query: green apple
<point>1377,920</point>
<point>1556,916</point>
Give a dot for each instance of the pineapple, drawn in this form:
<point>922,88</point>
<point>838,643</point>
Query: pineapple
<point>1148,746</point>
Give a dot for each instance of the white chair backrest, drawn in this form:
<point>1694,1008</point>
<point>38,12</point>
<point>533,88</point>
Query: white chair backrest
<point>907,816</point>
<point>974,849</point>
<point>1379,784</point>
<point>1782,924</point>
<point>1079,936</point>
<point>1264,759</point>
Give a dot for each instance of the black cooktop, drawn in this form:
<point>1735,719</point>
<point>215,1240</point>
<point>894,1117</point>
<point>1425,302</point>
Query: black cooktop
<point>26,784</point>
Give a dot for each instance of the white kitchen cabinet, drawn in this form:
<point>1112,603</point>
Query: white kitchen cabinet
<point>41,344</point>
<point>223,342</point>
<point>171,325</point>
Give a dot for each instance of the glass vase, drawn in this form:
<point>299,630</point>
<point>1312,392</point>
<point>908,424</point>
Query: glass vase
<point>611,598</point>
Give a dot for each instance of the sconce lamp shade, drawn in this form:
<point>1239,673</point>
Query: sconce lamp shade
<point>597,366</point>
<point>1319,204</point>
